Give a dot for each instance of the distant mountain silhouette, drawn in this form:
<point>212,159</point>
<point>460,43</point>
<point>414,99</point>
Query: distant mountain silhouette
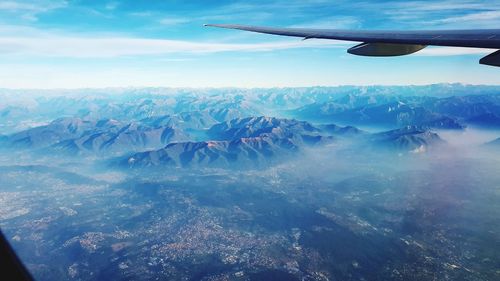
<point>409,138</point>
<point>395,114</point>
<point>494,143</point>
<point>56,131</point>
<point>75,136</point>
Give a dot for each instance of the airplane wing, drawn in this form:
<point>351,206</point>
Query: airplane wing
<point>393,43</point>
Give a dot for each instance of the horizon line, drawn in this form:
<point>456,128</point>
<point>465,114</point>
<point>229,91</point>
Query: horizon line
<point>242,87</point>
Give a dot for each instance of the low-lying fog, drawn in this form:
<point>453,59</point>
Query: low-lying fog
<point>330,209</point>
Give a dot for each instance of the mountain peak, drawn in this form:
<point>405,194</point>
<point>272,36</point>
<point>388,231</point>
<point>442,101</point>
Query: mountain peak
<point>408,138</point>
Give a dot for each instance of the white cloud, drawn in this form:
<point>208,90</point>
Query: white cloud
<point>28,10</point>
<point>336,22</point>
<point>13,6</point>
<point>141,14</point>
<point>480,16</point>
<point>111,6</point>
<point>170,21</point>
<point>37,43</point>
<point>34,6</point>
<point>86,47</point>
<point>447,5</point>
<point>447,14</point>
<point>453,51</point>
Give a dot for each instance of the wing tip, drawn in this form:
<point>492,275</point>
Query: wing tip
<point>213,25</point>
<point>229,26</point>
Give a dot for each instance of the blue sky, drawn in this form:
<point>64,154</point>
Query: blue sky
<point>79,44</point>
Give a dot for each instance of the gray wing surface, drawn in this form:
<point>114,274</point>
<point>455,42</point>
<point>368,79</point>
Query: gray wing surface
<point>393,43</point>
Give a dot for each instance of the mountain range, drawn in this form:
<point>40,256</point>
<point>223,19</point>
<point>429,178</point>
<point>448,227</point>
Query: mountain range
<point>441,105</point>
<point>397,111</point>
<point>233,127</point>
<point>165,140</point>
<point>249,147</point>
<point>77,136</point>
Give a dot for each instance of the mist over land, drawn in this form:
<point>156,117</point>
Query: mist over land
<point>320,183</point>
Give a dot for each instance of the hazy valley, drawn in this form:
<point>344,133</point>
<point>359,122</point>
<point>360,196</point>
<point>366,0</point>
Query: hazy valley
<point>341,183</point>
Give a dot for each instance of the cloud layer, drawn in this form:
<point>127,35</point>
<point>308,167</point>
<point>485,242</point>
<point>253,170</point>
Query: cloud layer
<point>112,47</point>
